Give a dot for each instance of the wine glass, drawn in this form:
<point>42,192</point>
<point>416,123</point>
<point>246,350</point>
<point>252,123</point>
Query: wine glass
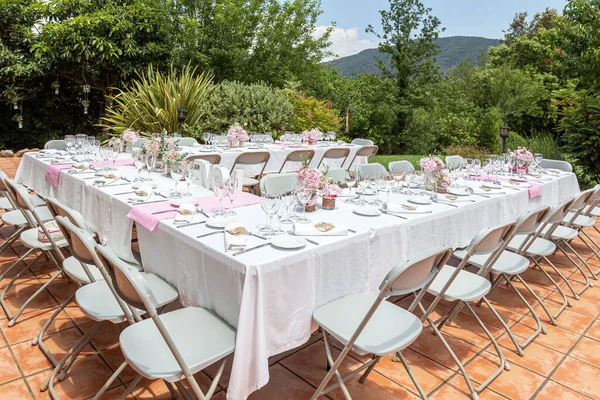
<point>177,172</point>
<point>303,197</point>
<point>476,167</point>
<point>232,194</point>
<point>270,205</point>
<point>105,152</point>
<point>287,200</point>
<point>398,176</point>
<point>189,176</point>
<point>69,141</point>
<point>139,160</point>
<point>114,152</point>
<point>538,158</point>
<point>520,166</point>
<point>150,164</point>
<point>206,136</point>
<point>220,187</point>
<point>350,182</point>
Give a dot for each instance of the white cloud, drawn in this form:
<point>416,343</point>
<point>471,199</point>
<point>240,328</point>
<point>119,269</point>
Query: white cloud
<point>345,42</point>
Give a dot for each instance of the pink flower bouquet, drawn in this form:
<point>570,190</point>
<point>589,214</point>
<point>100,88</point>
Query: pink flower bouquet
<point>312,136</point>
<point>129,137</point>
<point>237,134</point>
<point>432,165</point>
<point>522,154</point>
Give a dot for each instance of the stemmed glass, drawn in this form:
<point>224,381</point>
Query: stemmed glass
<point>398,176</point>
<point>538,158</point>
<point>232,194</point>
<point>80,139</point>
<point>105,153</point>
<point>177,172</point>
<point>363,183</point>
<point>303,197</point>
<point>139,160</point>
<point>287,200</point>
<point>69,141</point>
<point>220,187</point>
<point>520,166</point>
<point>270,205</point>
<point>476,167</point>
<point>350,182</point>
<point>188,176</point>
<point>206,136</point>
<point>150,163</point>
<point>114,154</point>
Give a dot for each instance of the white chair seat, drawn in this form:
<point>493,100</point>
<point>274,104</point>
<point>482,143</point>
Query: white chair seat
<point>29,238</point>
<point>14,218</point>
<point>540,247</point>
<point>508,263</point>
<point>5,204</point>
<point>75,270</point>
<point>562,232</point>
<point>249,181</point>
<point>465,287</point>
<point>595,212</point>
<point>581,221</point>
<point>201,338</point>
<point>390,329</point>
<point>37,200</point>
<point>97,301</point>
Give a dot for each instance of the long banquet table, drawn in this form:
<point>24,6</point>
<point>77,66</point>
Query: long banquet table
<point>267,294</point>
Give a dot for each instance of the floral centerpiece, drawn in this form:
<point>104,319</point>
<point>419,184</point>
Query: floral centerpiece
<point>309,180</point>
<point>160,146</point>
<point>312,136</point>
<point>522,158</point>
<point>329,191</point>
<point>237,136</point>
<point>435,179</point>
<point>115,143</point>
<point>129,137</point>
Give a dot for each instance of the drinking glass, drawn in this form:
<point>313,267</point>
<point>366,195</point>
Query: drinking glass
<point>398,176</point>
<point>538,158</point>
<point>150,163</point>
<point>520,166</point>
<point>206,136</point>
<point>410,178</point>
<point>363,184</point>
<point>105,152</point>
<point>469,166</point>
<point>287,200</point>
<point>139,160</point>
<point>114,152</point>
<point>177,172</point>
<point>232,194</point>
<point>69,141</point>
<point>350,182</point>
<point>189,176</point>
<point>80,139</point>
<point>303,197</point>
<point>270,205</point>
<point>476,167</point>
<point>220,187</point>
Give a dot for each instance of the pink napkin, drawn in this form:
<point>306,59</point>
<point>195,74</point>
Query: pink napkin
<point>142,214</point>
<point>534,191</point>
<point>53,172</point>
<point>119,163</point>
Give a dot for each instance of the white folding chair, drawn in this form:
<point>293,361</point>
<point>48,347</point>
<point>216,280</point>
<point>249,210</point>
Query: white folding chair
<point>298,157</point>
<point>99,300</point>
<point>171,346</point>
<point>214,159</point>
<point>362,142</point>
<point>370,171</point>
<point>455,162</point>
<point>365,151</point>
<point>337,153</point>
<point>368,324</point>
<point>557,164</point>
<point>141,142</point>
<point>402,166</point>
<point>278,184</point>
<point>187,141</point>
<point>338,175</point>
<point>29,238</point>
<point>455,284</point>
<point>56,145</point>
<point>255,159</point>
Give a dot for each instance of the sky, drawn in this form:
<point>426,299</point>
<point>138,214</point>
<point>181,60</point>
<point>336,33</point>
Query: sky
<point>486,18</point>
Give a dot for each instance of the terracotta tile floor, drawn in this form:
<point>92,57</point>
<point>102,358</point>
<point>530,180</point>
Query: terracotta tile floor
<point>564,364</point>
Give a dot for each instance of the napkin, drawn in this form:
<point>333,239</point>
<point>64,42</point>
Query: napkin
<point>53,230</point>
<point>320,229</point>
<point>404,209</point>
<point>142,194</point>
<point>236,237</point>
<point>185,213</point>
<point>81,165</point>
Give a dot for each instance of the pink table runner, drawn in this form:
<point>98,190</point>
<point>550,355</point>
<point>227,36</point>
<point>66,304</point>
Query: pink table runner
<point>534,191</point>
<point>52,174</point>
<point>142,214</point>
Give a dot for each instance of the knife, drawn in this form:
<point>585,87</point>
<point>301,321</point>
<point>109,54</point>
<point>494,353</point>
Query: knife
<point>251,248</point>
<point>192,223</point>
<point>164,212</point>
<point>208,234</point>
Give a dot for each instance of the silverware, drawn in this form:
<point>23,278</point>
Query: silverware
<point>258,236</point>
<point>190,224</point>
<point>393,215</point>
<point>208,234</point>
<point>351,230</point>
<point>201,211</point>
<point>119,194</point>
<point>115,184</point>
<point>148,202</point>
<point>161,195</point>
<point>251,248</point>
<point>164,211</point>
<point>305,238</point>
<point>91,177</point>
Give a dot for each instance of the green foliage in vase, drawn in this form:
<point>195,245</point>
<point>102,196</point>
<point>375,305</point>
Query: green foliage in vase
<point>153,101</point>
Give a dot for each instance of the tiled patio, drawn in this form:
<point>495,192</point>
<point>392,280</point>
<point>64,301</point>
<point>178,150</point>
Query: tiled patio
<point>564,364</point>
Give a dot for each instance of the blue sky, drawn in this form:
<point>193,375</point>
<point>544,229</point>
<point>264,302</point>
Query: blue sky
<point>485,18</point>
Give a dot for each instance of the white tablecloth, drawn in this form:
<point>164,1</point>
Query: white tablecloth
<point>268,295</point>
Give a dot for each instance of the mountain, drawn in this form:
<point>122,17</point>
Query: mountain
<point>453,50</point>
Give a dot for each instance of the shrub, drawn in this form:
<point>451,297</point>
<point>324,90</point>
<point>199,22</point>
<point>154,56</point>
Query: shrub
<point>311,112</point>
<point>257,107</point>
<point>538,143</point>
<point>467,151</point>
<point>154,99</point>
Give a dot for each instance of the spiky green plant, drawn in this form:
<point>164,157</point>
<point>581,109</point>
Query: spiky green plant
<point>153,100</point>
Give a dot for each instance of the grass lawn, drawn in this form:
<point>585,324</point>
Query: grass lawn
<point>385,160</point>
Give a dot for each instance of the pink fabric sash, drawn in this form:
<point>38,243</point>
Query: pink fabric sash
<point>534,191</point>
<point>52,174</point>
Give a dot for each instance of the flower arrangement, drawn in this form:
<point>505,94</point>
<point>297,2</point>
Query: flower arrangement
<point>312,136</point>
<point>160,145</point>
<point>522,154</point>
<point>330,189</point>
<point>115,142</point>
<point>432,165</point>
<point>236,134</point>
<point>173,157</point>
<point>129,137</point>
<point>435,179</point>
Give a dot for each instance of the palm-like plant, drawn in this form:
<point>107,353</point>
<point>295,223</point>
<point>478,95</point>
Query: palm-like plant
<point>153,101</point>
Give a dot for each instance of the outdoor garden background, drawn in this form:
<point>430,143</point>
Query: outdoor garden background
<point>259,63</point>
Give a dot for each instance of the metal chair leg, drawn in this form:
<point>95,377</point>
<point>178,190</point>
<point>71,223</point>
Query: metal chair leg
<point>11,282</point>
<point>588,283</point>
<point>39,339</point>
<point>562,293</point>
<point>130,387</point>
<point>583,261</point>
<point>110,380</point>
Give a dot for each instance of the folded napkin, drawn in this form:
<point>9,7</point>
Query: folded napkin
<point>52,173</point>
<point>141,195</point>
<point>236,237</point>
<point>320,229</point>
<point>185,213</point>
<point>53,230</point>
<point>81,165</point>
<point>404,209</point>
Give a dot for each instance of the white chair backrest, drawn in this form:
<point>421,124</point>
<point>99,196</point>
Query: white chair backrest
<point>56,145</point>
<point>141,142</point>
<point>362,142</point>
<point>298,157</point>
<point>278,184</point>
<point>338,175</point>
<point>455,162</point>
<point>370,171</point>
<point>187,141</point>
<point>58,208</point>
<point>402,166</point>
<point>22,201</point>
<point>557,164</point>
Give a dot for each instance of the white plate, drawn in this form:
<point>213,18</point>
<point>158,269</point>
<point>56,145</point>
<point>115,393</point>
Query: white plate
<point>220,222</point>
<point>491,185</point>
<point>367,211</point>
<point>288,242</point>
<point>517,184</point>
<point>458,191</point>
<point>136,185</point>
<point>183,200</point>
<point>420,200</point>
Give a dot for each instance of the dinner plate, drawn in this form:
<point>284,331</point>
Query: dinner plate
<point>458,191</point>
<point>367,211</point>
<point>424,200</point>
<point>220,222</point>
<point>183,200</point>
<point>491,185</point>
<point>288,242</point>
<point>136,185</point>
